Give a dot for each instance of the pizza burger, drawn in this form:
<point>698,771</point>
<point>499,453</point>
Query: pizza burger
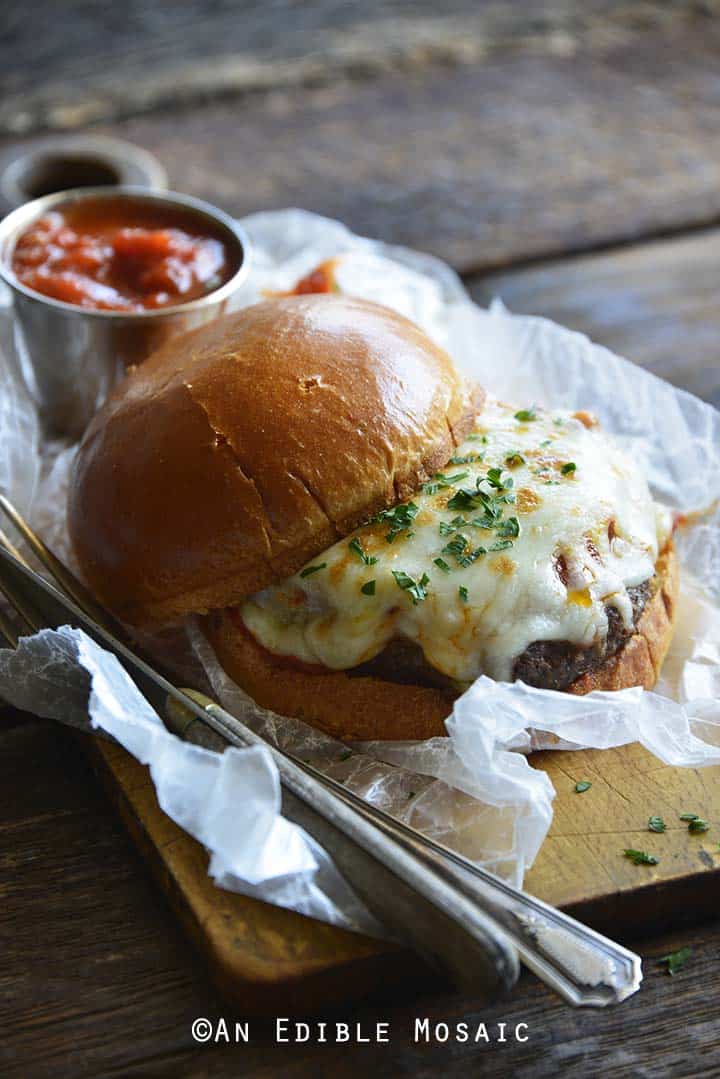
<point>362,532</point>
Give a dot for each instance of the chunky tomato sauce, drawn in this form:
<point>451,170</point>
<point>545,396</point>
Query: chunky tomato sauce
<point>321,279</point>
<point>120,254</point>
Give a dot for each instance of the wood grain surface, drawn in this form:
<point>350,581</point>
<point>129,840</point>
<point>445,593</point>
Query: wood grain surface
<point>262,958</point>
<point>655,303</point>
<point>589,149</point>
<point>546,130</point>
<point>105,62</point>
<point>581,866</point>
<point>267,960</point>
<point>98,979</point>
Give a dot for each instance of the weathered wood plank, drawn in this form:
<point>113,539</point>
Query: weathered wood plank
<point>97,979</point>
<point>520,156</point>
<point>656,304</point>
<point>581,865</point>
<point>263,958</point>
<point>95,971</point>
<point>93,64</point>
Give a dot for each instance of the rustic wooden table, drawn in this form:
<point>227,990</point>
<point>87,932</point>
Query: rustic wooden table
<point>564,157</point>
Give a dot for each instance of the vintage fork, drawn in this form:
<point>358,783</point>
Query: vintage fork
<point>583,966</point>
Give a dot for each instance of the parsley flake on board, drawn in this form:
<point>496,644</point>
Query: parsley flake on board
<point>582,786</point>
<point>312,569</point>
<point>656,824</point>
<point>676,960</point>
<point>417,590</point>
<point>697,826</point>
<point>568,468</point>
<point>368,589</point>
<point>689,816</point>
<point>357,548</point>
<point>640,857</point>
<point>399,519</point>
<point>463,593</point>
<point>526,415</point>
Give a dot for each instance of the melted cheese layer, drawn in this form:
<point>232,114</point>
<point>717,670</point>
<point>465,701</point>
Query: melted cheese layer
<point>532,553</point>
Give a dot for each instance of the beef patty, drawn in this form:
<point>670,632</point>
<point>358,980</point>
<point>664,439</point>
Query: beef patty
<point>545,664</point>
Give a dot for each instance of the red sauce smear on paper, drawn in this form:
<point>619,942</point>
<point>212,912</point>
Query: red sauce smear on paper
<point>120,254</point>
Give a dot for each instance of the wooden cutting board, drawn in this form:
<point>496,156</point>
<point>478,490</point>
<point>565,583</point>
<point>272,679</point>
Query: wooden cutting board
<point>269,960</point>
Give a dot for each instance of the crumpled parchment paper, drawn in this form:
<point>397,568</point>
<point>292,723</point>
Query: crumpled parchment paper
<point>475,790</point>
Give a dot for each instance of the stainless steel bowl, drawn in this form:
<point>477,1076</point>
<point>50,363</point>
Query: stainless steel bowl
<point>72,356</point>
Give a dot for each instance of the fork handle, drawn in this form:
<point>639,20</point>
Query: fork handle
<point>583,966</point>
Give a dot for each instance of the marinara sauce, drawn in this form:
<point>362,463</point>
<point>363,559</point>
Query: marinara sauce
<point>120,254</point>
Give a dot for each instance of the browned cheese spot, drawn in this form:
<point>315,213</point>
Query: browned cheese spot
<point>527,500</point>
<point>503,565</point>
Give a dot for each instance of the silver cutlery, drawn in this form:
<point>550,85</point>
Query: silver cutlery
<point>462,918</point>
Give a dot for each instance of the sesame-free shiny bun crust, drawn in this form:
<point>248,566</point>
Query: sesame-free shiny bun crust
<point>244,448</point>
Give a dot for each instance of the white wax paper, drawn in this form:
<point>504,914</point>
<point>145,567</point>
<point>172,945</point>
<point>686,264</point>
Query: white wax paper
<point>475,790</point>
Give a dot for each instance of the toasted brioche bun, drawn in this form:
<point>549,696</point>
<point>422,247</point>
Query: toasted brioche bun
<point>242,449</point>
<point>361,708</point>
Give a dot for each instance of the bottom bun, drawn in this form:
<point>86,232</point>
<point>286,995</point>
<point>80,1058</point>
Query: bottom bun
<point>363,708</point>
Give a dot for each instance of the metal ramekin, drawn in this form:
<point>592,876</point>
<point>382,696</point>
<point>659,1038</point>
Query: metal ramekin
<point>72,356</point>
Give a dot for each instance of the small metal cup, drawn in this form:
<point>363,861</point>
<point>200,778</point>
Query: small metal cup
<point>72,356</point>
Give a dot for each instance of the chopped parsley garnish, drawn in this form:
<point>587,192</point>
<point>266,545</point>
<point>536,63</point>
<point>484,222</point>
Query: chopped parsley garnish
<point>441,482</point>
<point>582,786</point>
<point>476,438</point>
<point>695,827</point>
<point>448,527</point>
<point>568,468</point>
<point>495,479</point>
<point>463,500</point>
<point>656,824</point>
<point>459,548</point>
<point>689,816</point>
<point>417,590</point>
<point>463,593</point>
<point>490,518</point>
<point>399,518</point>
<point>357,548</point>
<point>509,528</point>
<point>526,415</point>
<point>441,564</point>
<point>641,857</point>
<point>466,498</point>
<point>514,459</point>
<point>456,546</point>
<point>312,569</point>
<point>491,503</point>
<point>471,556</point>
<point>368,589</point>
<point>466,460</point>
<point>676,960</point>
